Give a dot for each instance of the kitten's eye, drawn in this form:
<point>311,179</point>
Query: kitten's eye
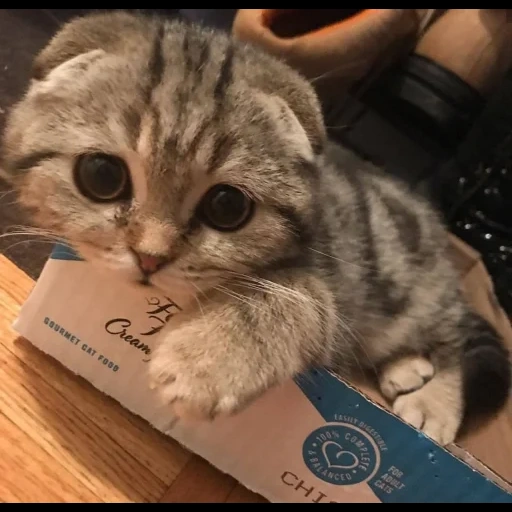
<point>102,178</point>
<point>225,208</point>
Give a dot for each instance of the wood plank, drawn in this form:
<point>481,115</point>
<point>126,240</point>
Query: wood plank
<point>89,453</point>
<point>14,283</point>
<point>242,495</point>
<point>29,475</point>
<point>159,454</point>
<point>199,482</point>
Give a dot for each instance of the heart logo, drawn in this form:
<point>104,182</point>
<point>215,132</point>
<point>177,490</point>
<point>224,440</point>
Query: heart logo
<point>337,457</point>
<point>341,454</point>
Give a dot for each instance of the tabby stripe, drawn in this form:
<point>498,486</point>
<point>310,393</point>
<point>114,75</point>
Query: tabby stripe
<point>365,221</point>
<point>405,221</point>
<point>196,53</point>
<point>302,260</point>
<point>308,170</point>
<point>198,137</point>
<point>185,49</point>
<point>156,66</point>
<point>225,73</point>
<point>33,160</point>
<point>297,225</point>
<point>132,119</point>
<point>156,130</point>
<point>156,62</point>
<point>381,289</point>
<point>222,148</point>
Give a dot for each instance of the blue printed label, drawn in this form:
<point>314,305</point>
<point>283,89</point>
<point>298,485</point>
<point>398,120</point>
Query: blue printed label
<point>63,252</point>
<point>341,454</point>
<point>361,443</point>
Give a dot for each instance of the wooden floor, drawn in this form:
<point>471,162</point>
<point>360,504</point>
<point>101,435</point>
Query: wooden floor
<point>63,441</point>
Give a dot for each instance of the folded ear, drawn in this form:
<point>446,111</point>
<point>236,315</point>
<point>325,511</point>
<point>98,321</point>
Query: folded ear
<point>112,32</point>
<point>275,78</point>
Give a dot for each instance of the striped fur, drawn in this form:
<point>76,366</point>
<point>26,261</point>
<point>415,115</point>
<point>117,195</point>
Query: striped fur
<point>340,265</point>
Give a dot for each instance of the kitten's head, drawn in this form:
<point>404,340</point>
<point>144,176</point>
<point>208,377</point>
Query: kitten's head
<point>159,146</point>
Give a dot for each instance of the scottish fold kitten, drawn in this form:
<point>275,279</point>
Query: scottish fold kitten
<point>176,157</point>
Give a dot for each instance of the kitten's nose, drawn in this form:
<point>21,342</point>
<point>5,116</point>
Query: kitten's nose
<point>150,264</point>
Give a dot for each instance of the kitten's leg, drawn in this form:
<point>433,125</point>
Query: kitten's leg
<point>242,342</point>
<point>436,408</point>
<point>465,379</point>
<point>432,403</point>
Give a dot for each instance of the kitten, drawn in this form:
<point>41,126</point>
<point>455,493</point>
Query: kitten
<point>176,157</point>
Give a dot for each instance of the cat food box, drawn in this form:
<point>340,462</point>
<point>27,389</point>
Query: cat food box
<point>313,440</point>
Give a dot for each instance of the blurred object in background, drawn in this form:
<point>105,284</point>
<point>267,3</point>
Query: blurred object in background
<point>437,92</point>
<point>474,190</point>
<point>335,48</point>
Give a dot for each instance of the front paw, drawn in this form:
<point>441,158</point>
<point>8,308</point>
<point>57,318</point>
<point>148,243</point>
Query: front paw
<point>218,360</point>
<point>198,391</point>
<point>191,397</point>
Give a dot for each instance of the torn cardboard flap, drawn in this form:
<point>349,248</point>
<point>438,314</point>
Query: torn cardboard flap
<point>312,440</point>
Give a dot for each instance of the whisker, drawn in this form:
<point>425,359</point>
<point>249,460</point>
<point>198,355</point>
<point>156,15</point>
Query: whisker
<point>12,246</point>
<point>339,259</point>
<point>345,67</point>
<point>298,298</point>
<point>237,296</point>
<point>52,16</point>
<point>340,319</point>
<point>33,232</point>
<point>338,127</point>
<point>6,193</point>
<point>197,298</point>
<point>14,202</point>
<point>27,234</point>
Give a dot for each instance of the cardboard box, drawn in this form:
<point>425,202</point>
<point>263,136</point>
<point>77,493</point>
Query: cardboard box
<point>313,440</point>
